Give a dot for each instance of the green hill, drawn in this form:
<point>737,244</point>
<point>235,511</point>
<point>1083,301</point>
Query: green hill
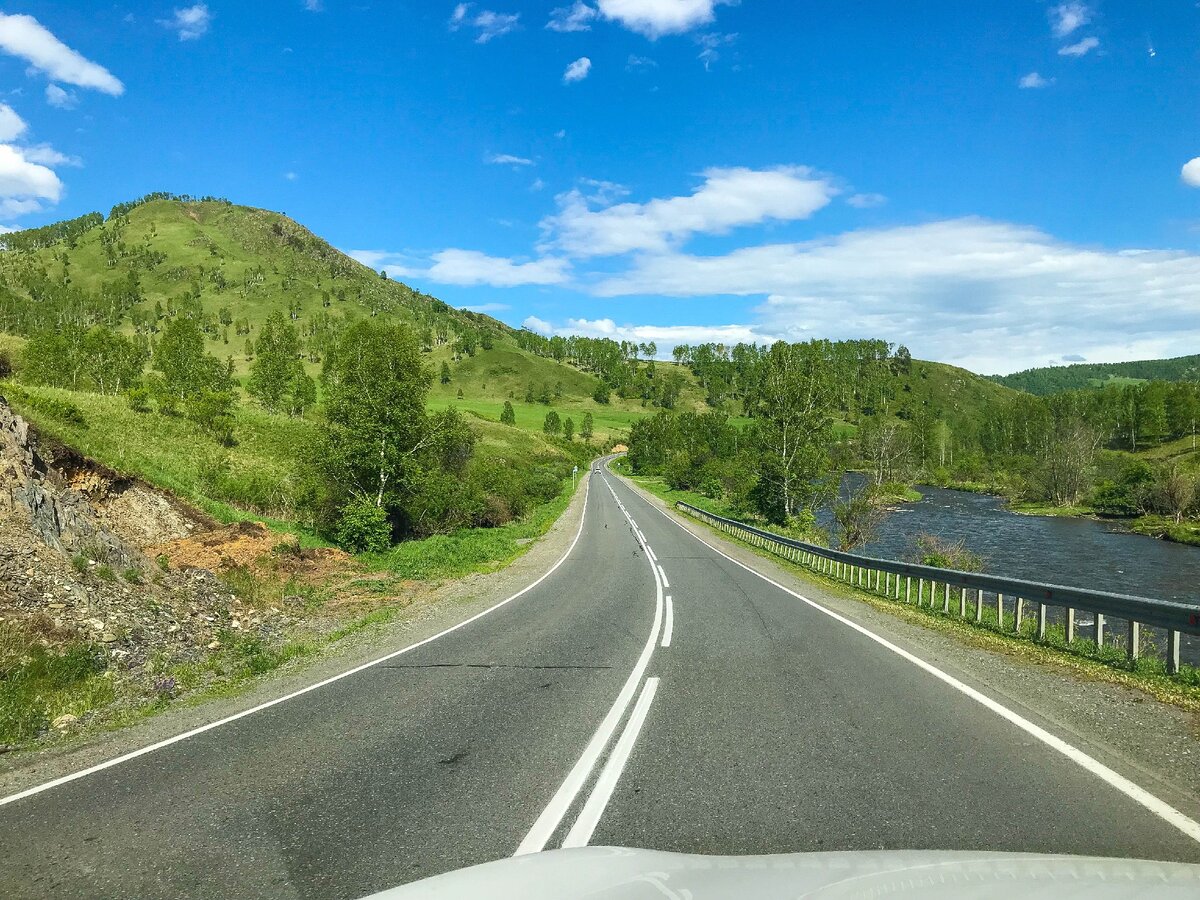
<point>1053,379</point>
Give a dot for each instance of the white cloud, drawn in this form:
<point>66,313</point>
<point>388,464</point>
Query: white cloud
<point>1067,17</point>
<point>466,267</point>
<point>314,5</point>
<point>537,184</point>
<point>708,47</point>
<point>578,70</point>
<point>1034,80</point>
<point>190,23</point>
<point>12,126</point>
<point>727,199</point>
<point>24,183</point>
<point>665,336</point>
<point>486,22</point>
<point>639,63</point>
<point>290,176</point>
<point>45,155</point>
<point>561,133</point>
<point>25,37</point>
<point>505,159</point>
<point>577,17</point>
<point>990,296</point>
<point>1191,172</point>
<point>59,98</point>
<point>654,18</point>
<point>1082,48</point>
<point>470,267</point>
<point>866,201</point>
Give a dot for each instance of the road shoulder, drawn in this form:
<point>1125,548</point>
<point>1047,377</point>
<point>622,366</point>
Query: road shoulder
<point>441,607</point>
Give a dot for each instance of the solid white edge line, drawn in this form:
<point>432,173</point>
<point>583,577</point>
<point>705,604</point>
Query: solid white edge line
<point>560,804</point>
<point>1115,779</point>
<point>589,817</point>
<point>126,757</point>
<point>663,573</point>
<point>669,627</point>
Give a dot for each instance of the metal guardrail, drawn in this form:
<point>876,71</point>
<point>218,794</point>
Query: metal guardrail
<point>900,580</point>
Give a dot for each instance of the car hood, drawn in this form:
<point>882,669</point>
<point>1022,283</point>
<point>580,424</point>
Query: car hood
<point>615,873</point>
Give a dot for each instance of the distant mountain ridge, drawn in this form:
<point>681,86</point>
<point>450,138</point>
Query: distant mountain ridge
<point>1053,379</point>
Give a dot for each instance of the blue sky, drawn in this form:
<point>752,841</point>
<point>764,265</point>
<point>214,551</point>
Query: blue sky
<point>994,185</point>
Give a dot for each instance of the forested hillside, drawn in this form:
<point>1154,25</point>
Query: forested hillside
<point>1053,379</point>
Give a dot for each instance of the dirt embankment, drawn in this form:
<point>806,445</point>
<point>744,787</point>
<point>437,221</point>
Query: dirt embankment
<point>90,555</point>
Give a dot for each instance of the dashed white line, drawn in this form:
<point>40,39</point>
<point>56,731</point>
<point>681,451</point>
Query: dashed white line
<point>589,817</point>
<point>663,573</point>
<point>669,627</point>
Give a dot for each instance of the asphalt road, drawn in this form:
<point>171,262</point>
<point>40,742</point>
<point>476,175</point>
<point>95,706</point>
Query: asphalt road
<point>561,719</point>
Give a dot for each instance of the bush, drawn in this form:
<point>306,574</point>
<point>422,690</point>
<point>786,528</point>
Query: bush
<point>942,554</point>
<point>363,527</point>
<point>138,399</point>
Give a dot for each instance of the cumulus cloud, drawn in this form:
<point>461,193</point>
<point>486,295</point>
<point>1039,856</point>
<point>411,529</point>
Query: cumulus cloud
<point>991,296</point>
<point>1190,173</point>
<point>45,155</point>
<point>190,23</point>
<point>24,183</point>
<point>577,17</point>
<point>314,5</point>
<point>1067,17</point>
<point>655,18</point>
<point>665,336</point>
<point>578,70</point>
<point>1081,48</point>
<point>59,98</point>
<point>487,23</point>
<point>467,267</point>
<point>25,37</point>
<point>728,198</point>
<point>639,63</point>
<point>470,267</point>
<point>709,43</point>
<point>1034,80</point>
<point>12,126</point>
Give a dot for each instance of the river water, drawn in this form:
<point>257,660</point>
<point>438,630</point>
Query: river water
<point>1076,552</point>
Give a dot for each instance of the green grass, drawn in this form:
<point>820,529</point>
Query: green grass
<point>37,684</point>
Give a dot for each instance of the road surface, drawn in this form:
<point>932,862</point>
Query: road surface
<point>648,692</point>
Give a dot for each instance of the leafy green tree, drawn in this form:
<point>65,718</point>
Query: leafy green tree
<point>445,376</point>
<point>277,364</point>
<point>552,425</point>
<point>568,428</point>
<point>508,415</point>
<point>302,394</point>
<point>585,427</point>
<point>602,393</point>
<point>187,369</point>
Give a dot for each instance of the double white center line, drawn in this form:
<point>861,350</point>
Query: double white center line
<point>551,818</point>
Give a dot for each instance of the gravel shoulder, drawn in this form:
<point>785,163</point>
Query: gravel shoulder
<point>433,610</point>
<point>1155,744</point>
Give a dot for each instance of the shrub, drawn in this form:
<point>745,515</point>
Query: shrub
<point>363,527</point>
<point>138,399</point>
<point>942,554</point>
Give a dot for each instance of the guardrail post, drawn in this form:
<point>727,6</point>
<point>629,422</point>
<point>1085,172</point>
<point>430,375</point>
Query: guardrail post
<point>1041,628</point>
<point>1070,624</point>
<point>1018,615</point>
<point>962,604</point>
<point>1000,611</point>
<point>946,601</point>
<point>1099,629</point>
<point>979,607</point>
<point>920,592</point>
<point>1172,651</point>
<point>888,583</point>
<point>1134,650</point>
<point>908,589</point>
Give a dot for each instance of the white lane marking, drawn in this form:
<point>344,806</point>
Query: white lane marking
<point>670,626</point>
<point>560,804</point>
<point>589,817</point>
<point>1138,794</point>
<point>651,553</point>
<point>115,761</point>
<point>663,573</point>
